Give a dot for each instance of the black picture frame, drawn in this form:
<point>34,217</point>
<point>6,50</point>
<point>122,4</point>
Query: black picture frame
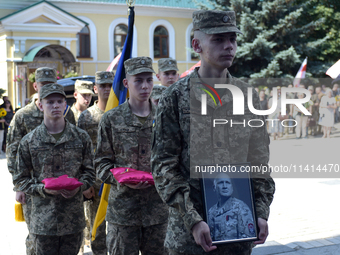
<point>230,217</point>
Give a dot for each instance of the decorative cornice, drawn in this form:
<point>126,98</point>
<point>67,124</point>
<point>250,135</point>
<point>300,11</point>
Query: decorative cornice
<point>38,38</point>
<point>109,8</point>
<point>63,22</point>
<point>121,9</point>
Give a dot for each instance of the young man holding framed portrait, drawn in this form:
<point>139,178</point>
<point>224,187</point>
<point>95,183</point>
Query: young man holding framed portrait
<point>215,39</point>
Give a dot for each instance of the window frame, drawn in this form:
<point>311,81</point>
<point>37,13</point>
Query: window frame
<point>160,43</point>
<point>80,35</point>
<point>171,42</point>
<point>122,35</point>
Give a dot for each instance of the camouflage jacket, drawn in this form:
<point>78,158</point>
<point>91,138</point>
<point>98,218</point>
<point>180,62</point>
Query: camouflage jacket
<point>123,141</point>
<point>23,122</point>
<point>315,108</point>
<point>170,159</point>
<point>232,220</point>
<point>76,113</point>
<point>40,156</point>
<point>89,121</point>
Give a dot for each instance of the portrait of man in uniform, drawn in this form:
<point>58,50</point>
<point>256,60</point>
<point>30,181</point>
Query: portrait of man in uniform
<point>230,218</point>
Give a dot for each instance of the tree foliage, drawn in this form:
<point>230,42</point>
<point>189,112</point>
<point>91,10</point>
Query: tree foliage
<point>329,12</point>
<point>277,37</point>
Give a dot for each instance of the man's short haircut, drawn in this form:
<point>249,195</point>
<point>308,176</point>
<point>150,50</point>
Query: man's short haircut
<point>215,180</point>
<point>127,76</point>
<point>199,35</point>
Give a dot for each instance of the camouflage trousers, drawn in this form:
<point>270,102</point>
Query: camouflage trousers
<point>122,240</point>
<point>227,249</point>
<point>26,208</point>
<point>98,246</point>
<point>58,245</point>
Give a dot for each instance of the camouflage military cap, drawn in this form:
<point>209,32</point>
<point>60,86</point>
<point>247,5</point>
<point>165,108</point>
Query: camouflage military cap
<point>215,22</point>
<point>157,91</point>
<point>103,77</point>
<point>138,65</point>
<point>52,88</point>
<point>84,87</point>
<point>167,64</point>
<point>45,74</point>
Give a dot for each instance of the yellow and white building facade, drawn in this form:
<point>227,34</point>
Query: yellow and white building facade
<point>84,36</point>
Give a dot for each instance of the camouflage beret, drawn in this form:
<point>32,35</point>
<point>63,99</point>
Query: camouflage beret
<point>157,91</point>
<point>45,74</point>
<point>104,77</point>
<point>167,64</point>
<point>138,65</point>
<point>52,88</point>
<point>84,87</point>
<point>215,22</point>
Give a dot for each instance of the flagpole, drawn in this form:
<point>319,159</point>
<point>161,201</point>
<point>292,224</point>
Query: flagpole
<point>301,73</point>
<point>117,96</point>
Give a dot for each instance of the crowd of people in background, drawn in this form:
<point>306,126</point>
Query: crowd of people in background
<point>323,106</point>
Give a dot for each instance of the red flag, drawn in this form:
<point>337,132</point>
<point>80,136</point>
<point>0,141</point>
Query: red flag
<point>301,73</point>
<point>190,70</point>
<point>114,63</point>
<point>117,97</point>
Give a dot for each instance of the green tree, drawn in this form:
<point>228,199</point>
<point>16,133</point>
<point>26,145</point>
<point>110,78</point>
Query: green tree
<point>275,41</point>
<point>329,12</point>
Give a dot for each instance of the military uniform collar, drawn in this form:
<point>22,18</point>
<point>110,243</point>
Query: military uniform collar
<point>36,111</point>
<point>196,88</point>
<point>96,106</point>
<point>226,206</point>
<point>132,120</point>
<point>48,138</point>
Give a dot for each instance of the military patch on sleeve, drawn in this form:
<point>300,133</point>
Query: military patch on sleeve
<point>251,228</point>
<point>153,123</point>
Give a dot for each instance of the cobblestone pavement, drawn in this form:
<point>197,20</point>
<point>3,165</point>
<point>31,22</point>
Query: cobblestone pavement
<point>304,216</point>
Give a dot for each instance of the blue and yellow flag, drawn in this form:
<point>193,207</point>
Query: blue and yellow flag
<point>117,97</point>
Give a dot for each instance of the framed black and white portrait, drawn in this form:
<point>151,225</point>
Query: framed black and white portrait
<point>229,205</point>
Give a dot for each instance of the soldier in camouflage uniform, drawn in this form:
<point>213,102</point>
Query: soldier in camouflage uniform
<point>23,122</point>
<point>167,71</point>
<point>173,141</point>
<point>230,218</point>
<point>83,94</point>
<point>136,215</point>
<point>53,149</point>
<point>88,121</point>
<point>156,93</point>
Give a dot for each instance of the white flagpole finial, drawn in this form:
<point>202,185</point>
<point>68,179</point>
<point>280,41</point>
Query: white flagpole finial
<point>130,3</point>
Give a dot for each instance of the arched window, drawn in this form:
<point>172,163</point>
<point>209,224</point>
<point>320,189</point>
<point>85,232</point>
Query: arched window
<point>84,45</point>
<point>194,55</point>
<point>161,42</point>
<point>119,37</point>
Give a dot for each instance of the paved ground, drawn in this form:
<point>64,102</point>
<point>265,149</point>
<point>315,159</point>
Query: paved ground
<point>304,216</point>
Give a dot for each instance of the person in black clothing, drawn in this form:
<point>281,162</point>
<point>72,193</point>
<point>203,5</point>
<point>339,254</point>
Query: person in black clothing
<point>10,113</point>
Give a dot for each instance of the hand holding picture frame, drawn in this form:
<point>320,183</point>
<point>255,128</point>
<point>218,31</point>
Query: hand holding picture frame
<point>229,205</point>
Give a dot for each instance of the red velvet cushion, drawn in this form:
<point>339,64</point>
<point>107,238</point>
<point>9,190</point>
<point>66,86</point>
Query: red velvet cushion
<point>61,182</point>
<point>131,176</point>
